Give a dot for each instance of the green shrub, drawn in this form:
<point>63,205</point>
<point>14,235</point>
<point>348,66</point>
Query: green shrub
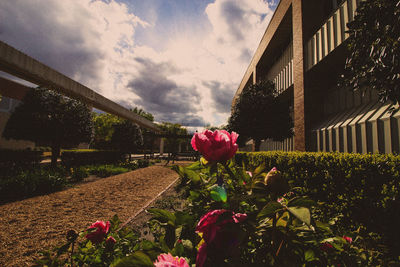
<point>87,157</point>
<point>106,170</point>
<point>32,182</point>
<point>78,174</point>
<point>362,189</point>
<point>19,159</point>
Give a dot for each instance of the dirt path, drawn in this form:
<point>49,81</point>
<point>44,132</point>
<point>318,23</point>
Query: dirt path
<point>41,222</point>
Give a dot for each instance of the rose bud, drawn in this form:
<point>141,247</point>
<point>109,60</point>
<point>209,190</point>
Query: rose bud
<point>276,182</point>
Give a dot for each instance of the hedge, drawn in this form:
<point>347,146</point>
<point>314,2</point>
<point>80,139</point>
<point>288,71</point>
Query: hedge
<point>11,159</point>
<point>362,189</point>
<point>88,157</point>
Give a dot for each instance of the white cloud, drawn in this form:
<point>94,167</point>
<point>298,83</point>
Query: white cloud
<point>93,42</point>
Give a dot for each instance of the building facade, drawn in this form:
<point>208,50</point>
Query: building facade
<point>303,51</point>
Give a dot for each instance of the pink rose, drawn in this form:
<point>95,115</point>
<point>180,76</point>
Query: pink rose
<point>167,260</point>
<point>348,239</point>
<point>101,232</point>
<point>214,235</point>
<point>215,146</point>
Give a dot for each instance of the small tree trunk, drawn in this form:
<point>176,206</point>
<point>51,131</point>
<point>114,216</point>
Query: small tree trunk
<point>257,144</point>
<point>55,153</point>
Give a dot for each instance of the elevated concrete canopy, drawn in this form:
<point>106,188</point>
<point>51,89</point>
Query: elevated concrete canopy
<point>27,68</point>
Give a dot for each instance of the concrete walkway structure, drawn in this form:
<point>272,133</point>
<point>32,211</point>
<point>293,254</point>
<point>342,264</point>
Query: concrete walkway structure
<point>27,68</point>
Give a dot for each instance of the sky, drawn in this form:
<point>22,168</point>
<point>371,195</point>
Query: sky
<point>181,60</point>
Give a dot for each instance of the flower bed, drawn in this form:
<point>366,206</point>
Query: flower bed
<point>238,215</point>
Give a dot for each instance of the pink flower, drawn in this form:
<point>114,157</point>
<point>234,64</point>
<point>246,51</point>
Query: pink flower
<point>215,146</point>
<point>212,225</point>
<point>101,232</point>
<point>167,260</point>
<point>348,239</point>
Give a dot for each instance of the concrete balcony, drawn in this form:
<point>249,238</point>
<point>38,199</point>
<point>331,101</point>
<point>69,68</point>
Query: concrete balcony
<point>281,72</point>
<point>331,34</point>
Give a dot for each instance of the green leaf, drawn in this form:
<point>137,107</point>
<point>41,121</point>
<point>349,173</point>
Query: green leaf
<point>302,213</point>
<point>271,208</point>
<point>301,202</point>
<point>137,259</point>
<point>187,244</point>
<point>195,166</point>
<point>178,232</point>
<point>309,255</point>
<point>163,215</point>
<point>178,250</point>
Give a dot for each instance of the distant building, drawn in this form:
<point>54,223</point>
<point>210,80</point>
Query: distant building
<point>303,52</point>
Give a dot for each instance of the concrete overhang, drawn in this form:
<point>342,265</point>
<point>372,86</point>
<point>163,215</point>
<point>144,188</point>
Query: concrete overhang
<point>269,42</point>
<point>27,68</point>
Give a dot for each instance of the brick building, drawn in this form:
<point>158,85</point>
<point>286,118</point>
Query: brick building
<point>303,52</point>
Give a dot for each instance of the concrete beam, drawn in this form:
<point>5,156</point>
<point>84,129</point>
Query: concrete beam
<point>27,68</point>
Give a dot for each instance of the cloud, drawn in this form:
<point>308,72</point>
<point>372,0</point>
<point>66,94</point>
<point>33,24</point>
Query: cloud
<point>160,94</point>
<point>189,79</point>
<point>221,94</point>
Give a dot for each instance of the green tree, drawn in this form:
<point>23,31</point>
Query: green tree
<point>259,113</point>
<point>127,137</point>
<point>49,118</point>
<point>173,133</point>
<point>374,46</point>
<point>103,124</point>
<point>148,136</point>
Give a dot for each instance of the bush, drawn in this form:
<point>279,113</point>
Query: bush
<point>17,159</point>
<point>78,174</point>
<point>360,189</point>
<point>88,157</point>
<point>32,182</point>
<point>106,170</point>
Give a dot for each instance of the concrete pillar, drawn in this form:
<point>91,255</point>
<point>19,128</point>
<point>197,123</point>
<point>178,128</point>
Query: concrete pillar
<point>374,131</point>
<point>364,130</point>
<point>387,132</point>
<point>298,69</point>
<point>161,146</point>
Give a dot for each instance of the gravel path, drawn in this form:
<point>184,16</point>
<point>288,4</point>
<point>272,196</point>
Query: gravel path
<point>41,222</point>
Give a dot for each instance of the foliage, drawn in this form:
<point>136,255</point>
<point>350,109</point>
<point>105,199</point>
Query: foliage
<point>148,137</point>
<point>273,230</point>
<point>72,158</point>
<point>374,46</point>
<point>26,183</point>
<point>48,118</point>
<point>103,125</point>
<point>17,159</point>
<point>172,131</point>
<point>361,190</point>
<point>260,114</point>
<point>127,137</point>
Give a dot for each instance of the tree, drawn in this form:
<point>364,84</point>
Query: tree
<point>103,125</point>
<point>374,46</point>
<point>172,132</point>
<point>148,137</point>
<point>127,137</point>
<point>259,114</point>
<point>49,118</point>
